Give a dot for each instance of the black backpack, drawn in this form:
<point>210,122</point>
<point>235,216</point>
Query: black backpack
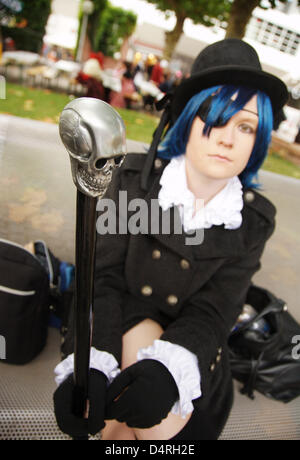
<point>263,350</point>
<point>27,289</point>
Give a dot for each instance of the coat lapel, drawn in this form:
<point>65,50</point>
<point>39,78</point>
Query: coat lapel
<point>162,225</point>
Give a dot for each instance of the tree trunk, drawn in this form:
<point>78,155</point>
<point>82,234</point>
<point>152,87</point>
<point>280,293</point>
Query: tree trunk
<point>240,15</point>
<point>172,37</point>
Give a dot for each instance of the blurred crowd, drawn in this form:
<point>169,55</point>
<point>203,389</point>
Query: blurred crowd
<point>123,84</point>
<point>137,84</point>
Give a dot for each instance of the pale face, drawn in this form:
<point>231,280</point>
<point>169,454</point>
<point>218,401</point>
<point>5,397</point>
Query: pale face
<point>225,153</point>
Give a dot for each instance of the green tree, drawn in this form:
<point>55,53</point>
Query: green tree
<point>7,12</point>
<point>114,26</point>
<point>93,21</point>
<point>235,12</point>
<point>241,12</point>
<point>30,38</point>
<point>8,9</point>
<point>199,11</point>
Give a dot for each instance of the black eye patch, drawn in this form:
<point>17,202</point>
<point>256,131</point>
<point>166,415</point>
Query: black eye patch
<point>204,110</point>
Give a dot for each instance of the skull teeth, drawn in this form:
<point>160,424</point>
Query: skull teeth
<point>90,182</point>
<point>85,175</point>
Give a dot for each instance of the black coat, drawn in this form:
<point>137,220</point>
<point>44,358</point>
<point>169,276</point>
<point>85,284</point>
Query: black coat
<point>194,292</point>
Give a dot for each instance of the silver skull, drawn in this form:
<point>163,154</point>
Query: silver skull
<point>94,136</point>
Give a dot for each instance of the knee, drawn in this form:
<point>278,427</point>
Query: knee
<point>167,429</point>
<point>140,336</point>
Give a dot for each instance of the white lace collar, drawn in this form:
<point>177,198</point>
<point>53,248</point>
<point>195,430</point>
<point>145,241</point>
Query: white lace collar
<point>225,208</point>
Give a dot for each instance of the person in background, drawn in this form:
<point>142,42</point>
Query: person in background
<point>157,74</point>
<point>91,77</point>
<point>167,83</point>
<point>125,98</point>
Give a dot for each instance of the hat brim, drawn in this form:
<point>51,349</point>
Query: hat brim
<point>233,75</point>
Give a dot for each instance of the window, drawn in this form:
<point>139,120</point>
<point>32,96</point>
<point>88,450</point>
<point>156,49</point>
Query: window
<point>270,34</point>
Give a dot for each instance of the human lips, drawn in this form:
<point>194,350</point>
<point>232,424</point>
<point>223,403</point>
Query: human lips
<point>221,158</point>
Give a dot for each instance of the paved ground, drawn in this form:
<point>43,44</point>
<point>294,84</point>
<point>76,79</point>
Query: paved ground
<point>37,201</point>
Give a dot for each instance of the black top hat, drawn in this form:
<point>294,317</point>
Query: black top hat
<point>229,61</point>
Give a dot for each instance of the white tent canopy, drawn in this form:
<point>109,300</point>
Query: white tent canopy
<point>62,31</point>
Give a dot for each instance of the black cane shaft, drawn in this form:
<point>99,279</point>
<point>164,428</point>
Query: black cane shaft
<point>84,280</point>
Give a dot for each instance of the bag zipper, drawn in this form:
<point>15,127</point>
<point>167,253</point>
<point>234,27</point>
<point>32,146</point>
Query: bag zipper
<point>49,262</point>
<point>8,290</point>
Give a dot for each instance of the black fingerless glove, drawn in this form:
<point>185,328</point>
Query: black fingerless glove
<point>69,423</point>
<point>147,392</point>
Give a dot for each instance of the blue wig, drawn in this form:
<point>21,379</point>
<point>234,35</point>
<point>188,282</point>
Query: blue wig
<point>220,110</point>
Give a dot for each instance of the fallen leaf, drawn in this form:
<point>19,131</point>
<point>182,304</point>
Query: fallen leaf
<point>20,212</point>
<point>50,222</point>
<point>34,197</point>
<point>28,105</point>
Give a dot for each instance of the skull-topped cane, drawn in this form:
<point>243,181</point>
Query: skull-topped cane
<point>94,136</point>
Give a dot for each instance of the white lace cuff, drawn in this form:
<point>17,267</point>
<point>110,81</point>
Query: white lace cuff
<point>183,365</point>
<point>100,360</point>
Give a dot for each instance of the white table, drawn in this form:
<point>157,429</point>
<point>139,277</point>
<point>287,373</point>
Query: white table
<point>70,67</point>
<point>23,58</point>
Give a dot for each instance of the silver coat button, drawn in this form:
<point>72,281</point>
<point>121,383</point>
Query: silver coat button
<point>185,265</point>
<point>212,367</point>
<point>146,290</point>
<point>157,163</point>
<point>249,197</point>
<point>156,254</point>
<point>172,299</point>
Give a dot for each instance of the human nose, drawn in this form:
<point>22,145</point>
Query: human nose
<point>226,135</point>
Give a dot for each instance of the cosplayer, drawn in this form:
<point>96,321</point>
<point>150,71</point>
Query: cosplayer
<point>164,309</point>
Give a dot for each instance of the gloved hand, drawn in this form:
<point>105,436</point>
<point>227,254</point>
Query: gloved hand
<point>147,393</point>
<point>64,401</point>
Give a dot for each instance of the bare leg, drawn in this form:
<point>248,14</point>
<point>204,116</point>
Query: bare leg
<point>143,335</point>
<point>117,431</point>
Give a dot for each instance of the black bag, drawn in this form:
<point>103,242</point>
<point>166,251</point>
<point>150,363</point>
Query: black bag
<point>262,349</point>
<point>27,289</point>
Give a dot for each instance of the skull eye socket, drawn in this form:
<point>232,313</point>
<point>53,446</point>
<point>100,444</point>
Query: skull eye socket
<point>119,160</point>
<point>101,163</point>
